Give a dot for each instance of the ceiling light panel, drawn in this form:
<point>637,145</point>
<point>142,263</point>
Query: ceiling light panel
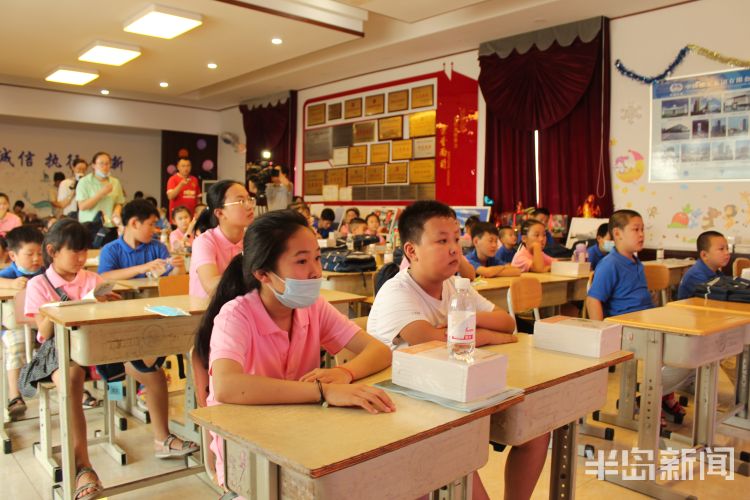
<point>72,76</point>
<point>113,54</point>
<point>163,22</point>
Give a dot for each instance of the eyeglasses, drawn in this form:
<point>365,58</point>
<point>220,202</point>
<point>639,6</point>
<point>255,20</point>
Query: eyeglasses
<point>246,203</point>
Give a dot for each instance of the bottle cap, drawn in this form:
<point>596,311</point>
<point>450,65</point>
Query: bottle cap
<point>462,283</point>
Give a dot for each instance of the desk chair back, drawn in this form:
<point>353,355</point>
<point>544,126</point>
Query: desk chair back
<point>174,285</point>
<point>739,264</point>
<point>524,294</point>
<point>657,280</point>
<point>584,311</point>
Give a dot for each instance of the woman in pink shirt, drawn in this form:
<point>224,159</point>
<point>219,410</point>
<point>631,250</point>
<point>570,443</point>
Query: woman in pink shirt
<point>8,220</point>
<point>262,334</point>
<point>530,256</point>
<point>231,210</point>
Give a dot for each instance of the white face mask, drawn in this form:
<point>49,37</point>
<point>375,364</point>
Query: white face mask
<point>298,294</point>
<point>609,245</point>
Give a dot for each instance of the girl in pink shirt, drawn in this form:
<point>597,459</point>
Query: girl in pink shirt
<point>231,210</point>
<point>530,256</point>
<point>181,238</point>
<point>8,220</point>
<point>261,337</point>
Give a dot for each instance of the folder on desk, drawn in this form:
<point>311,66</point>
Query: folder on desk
<point>585,337</point>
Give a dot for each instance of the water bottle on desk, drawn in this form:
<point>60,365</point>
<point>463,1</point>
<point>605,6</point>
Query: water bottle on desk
<point>579,254</point>
<point>660,253</point>
<point>388,255</point>
<point>350,242</point>
<point>462,322</point>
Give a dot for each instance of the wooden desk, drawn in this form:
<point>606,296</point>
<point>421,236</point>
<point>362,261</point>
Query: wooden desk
<point>341,300</point>
<point>306,451</point>
<point>356,283</point>
<point>111,332</point>
<point>694,338</point>
<point>556,289</point>
<point>677,268</point>
<point>6,301</point>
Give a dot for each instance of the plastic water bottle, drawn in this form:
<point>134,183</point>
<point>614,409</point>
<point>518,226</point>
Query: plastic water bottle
<point>462,323</point>
<point>388,256</point>
<point>331,239</point>
<point>579,254</point>
<point>350,242</point>
<point>660,253</point>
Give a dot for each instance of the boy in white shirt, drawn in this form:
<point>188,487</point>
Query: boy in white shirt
<point>412,308</point>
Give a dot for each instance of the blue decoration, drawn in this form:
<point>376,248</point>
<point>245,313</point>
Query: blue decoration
<point>488,201</point>
<point>658,78</point>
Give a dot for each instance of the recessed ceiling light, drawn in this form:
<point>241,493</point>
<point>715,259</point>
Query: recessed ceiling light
<point>212,65</point>
<point>113,54</point>
<point>104,92</point>
<point>72,76</point>
<point>163,22</point>
<point>277,41</point>
<point>163,85</point>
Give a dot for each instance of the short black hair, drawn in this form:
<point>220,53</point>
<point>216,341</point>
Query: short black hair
<point>22,235</point>
<point>178,209</point>
<point>328,214</point>
<point>541,211</point>
<point>478,229</point>
<point>620,218</point>
<point>412,220</point>
<point>19,204</point>
<point>65,233</point>
<point>704,240</point>
<point>152,200</point>
<point>528,224</point>
<point>138,195</point>
<point>602,230</point>
<point>140,209</point>
<point>352,209</point>
<point>357,221</point>
<point>470,221</point>
<point>59,176</point>
<point>504,229</point>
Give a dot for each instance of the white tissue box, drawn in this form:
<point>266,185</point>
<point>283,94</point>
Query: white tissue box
<point>427,368</point>
<point>568,268</point>
<point>586,337</point>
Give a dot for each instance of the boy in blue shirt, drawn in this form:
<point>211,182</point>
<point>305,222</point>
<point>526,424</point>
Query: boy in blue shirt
<point>25,251</point>
<point>136,253</point>
<point>603,246</point>
<point>484,256</point>
<point>508,242</point>
<point>620,287</point>
<point>713,253</point>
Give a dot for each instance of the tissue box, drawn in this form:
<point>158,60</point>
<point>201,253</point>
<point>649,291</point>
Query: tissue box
<point>568,268</point>
<point>585,337</point>
<point>427,368</point>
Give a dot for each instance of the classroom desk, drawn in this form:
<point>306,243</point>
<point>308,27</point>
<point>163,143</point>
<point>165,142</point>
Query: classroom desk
<point>110,332</point>
<point>6,300</point>
<point>691,339</point>
<point>307,451</point>
<point>677,268</point>
<point>739,416</point>
<point>356,283</point>
<point>556,289</point>
<point>341,300</point>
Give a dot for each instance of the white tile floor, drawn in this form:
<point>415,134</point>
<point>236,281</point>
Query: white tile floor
<point>21,477</point>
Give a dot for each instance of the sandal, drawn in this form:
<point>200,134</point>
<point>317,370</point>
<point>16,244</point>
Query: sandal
<point>671,406</point>
<point>96,485</point>
<point>166,450</point>
<point>16,407</point>
<point>90,401</point>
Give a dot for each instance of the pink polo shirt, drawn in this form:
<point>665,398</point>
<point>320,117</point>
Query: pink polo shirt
<point>175,238</point>
<point>523,259</point>
<point>211,247</point>
<point>39,291</point>
<point>8,222</point>
<point>244,332</point>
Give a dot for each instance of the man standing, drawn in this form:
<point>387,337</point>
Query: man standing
<point>183,189</point>
<point>100,192</point>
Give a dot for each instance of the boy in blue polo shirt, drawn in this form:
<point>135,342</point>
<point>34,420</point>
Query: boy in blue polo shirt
<point>603,246</point>
<point>483,258</point>
<point>136,253</point>
<point>25,251</point>
<point>620,287</point>
<point>508,242</point>
<point>713,253</point>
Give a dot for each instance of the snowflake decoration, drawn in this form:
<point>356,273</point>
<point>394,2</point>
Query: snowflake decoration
<point>631,113</point>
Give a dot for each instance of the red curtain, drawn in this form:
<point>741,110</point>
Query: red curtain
<point>511,152</point>
<point>272,128</point>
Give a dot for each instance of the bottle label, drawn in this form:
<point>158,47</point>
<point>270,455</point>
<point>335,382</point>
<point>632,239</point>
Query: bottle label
<point>462,327</point>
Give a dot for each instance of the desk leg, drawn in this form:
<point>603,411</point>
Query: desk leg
<point>704,424</point>
<point>564,455</point>
<point>7,448</point>
<point>649,420</point>
<point>62,343</point>
<point>625,416</point>
<point>742,391</point>
<point>187,429</point>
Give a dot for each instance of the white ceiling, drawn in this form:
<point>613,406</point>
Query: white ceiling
<point>39,35</point>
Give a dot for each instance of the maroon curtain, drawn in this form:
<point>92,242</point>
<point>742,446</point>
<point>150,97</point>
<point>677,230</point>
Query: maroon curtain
<point>511,153</point>
<point>272,128</point>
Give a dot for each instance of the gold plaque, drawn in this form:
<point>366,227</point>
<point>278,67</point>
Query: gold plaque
<point>336,176</point>
<point>421,96</point>
<point>390,128</point>
<point>334,111</point>
<point>316,114</point>
<point>357,155</point>
<point>353,108</point>
<point>422,124</point>
<point>364,131</point>
<point>380,153</point>
<point>375,174</point>
<point>401,150</point>
<point>396,173</point>
<point>314,180</point>
<point>356,176</point>
<point>374,104</point>
<point>422,171</point>
<point>398,101</point>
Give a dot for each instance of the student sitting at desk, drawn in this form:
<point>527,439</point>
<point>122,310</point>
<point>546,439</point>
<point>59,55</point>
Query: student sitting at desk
<point>603,246</point>
<point>8,220</point>
<point>508,242</point>
<point>483,258</point>
<point>181,238</point>
<point>326,222</point>
<point>620,287</point>
<point>230,210</point>
<point>713,253</point>
<point>530,256</point>
<point>357,227</point>
<point>261,336</point>
<point>412,308</point>
<point>25,250</point>
<point>136,253</point>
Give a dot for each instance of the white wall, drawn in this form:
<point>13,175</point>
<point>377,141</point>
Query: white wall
<point>647,43</point>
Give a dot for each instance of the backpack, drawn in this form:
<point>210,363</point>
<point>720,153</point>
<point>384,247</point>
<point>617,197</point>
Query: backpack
<point>724,288</point>
<point>347,262</point>
<point>385,273</point>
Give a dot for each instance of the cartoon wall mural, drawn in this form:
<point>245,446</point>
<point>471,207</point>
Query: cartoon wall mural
<point>630,167</point>
<point>709,217</point>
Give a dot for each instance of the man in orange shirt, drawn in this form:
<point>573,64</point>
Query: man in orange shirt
<point>183,188</point>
